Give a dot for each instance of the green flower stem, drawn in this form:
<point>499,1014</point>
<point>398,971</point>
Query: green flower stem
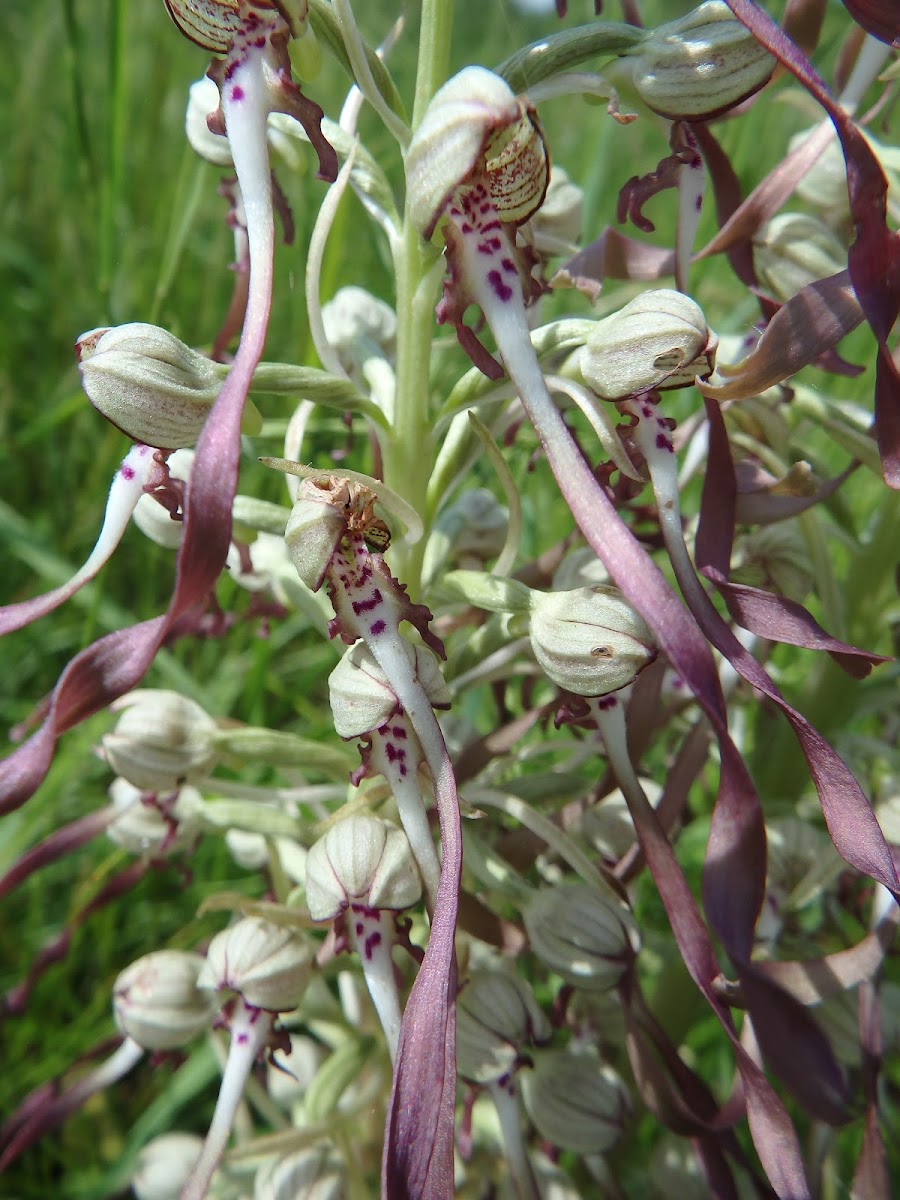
<point>434,53</point>
<point>408,453</point>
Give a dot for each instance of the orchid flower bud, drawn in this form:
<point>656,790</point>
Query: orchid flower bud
<point>355,322</point>
<point>313,1173</point>
<point>150,824</point>
<point>151,385</point>
<point>161,740</point>
<point>587,938</point>
<point>824,186</point>
<point>157,1001</point>
<point>775,557</point>
<point>580,568</point>
<point>469,532</point>
<point>164,1165</point>
<point>253,852</point>
<point>698,66</point>
<point>364,866</point>
<point>674,1171</point>
<point>590,641</point>
<point>658,340</point>
<point>576,1102</point>
<point>361,860</point>
<point>474,122</point>
<point>608,825</point>
<point>268,965</point>
<point>793,250</point>
<point>361,695</point>
<point>802,862</point>
<point>498,1019</point>
<point>364,703</point>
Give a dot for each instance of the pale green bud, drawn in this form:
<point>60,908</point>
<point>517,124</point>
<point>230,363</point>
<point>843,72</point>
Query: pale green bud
<point>471,530</point>
<point>580,568</point>
<point>148,829</point>
<point>589,641</point>
<point>474,123</point>
<point>497,1020</point>
<point>576,1102</point>
<point>151,385</point>
<point>157,1001</point>
<point>793,250</point>
<point>252,852</point>
<point>700,65</point>
<point>776,558</point>
<point>659,339</point>
<point>587,938</point>
<point>314,1173</point>
<point>268,965</point>
<point>802,861</point>
<point>360,860</point>
<point>675,1171</point>
<point>362,698</point>
<point>354,319</point>
<point>161,740</point>
<point>164,1164</point>
<point>824,186</point>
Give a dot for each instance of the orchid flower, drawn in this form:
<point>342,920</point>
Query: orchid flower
<point>254,79</point>
<point>335,537</point>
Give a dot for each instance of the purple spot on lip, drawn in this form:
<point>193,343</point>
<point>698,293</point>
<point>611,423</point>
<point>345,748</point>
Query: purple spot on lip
<point>237,93</point>
<point>127,472</point>
<point>698,203</point>
<point>489,246</point>
<point>361,606</point>
<point>500,289</point>
<point>377,628</point>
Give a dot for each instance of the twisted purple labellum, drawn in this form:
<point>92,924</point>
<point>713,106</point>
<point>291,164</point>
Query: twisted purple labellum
<point>256,64</point>
<point>874,257</point>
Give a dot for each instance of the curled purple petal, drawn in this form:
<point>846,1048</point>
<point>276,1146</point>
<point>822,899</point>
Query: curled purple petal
<point>874,256</point>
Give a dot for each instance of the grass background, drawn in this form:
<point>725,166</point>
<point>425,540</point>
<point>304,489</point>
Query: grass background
<point>107,217</point>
